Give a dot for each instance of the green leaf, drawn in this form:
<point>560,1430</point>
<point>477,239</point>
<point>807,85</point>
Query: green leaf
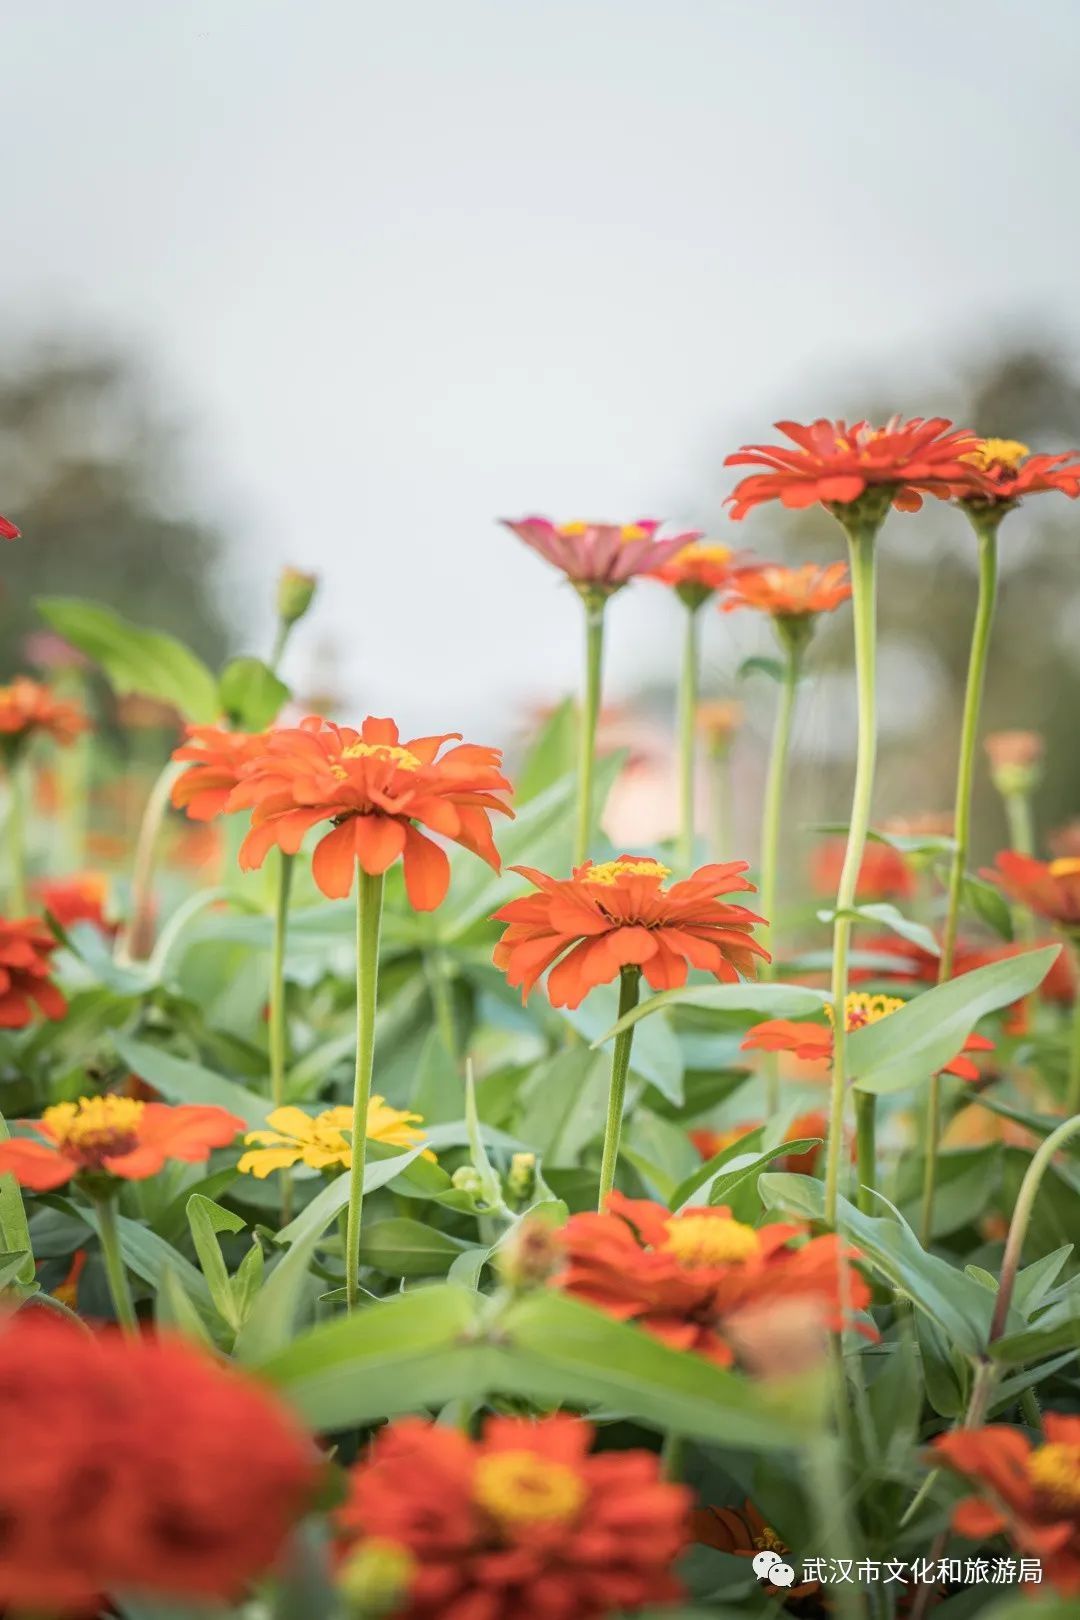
<point>921,1037</point>
<point>184,1082</point>
<point>382,1165</point>
<point>250,694</point>
<point>149,1256</point>
<point>14,1230</point>
<point>206,1220</point>
<point>966,1180</point>
<point>726,1183</point>
<point>1034,1282</point>
<point>136,660</point>
<point>684,1192</point>
<point>760,1000</point>
<point>888,916</point>
<point>400,1247</point>
<point>772,667</point>
<point>905,843</point>
<point>13,1266</point>
<point>174,1308</point>
<point>988,903</point>
<point>1058,1328</point>
<point>551,757</point>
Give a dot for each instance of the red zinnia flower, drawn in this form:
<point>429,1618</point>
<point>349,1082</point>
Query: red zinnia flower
<point>119,1136</point>
<point>28,709</point>
<point>1031,1493</point>
<point>1007,471</point>
<point>140,1465</point>
<point>215,758</point>
<point>696,571</point>
<point>81,898</point>
<point>744,1533</point>
<point>688,1278</point>
<point>26,944</point>
<point>788,593</point>
<point>522,1524</point>
<point>8,531</point>
<point>883,875</point>
<point>836,464</point>
<point>1051,888</point>
<point>601,556</point>
<point>814,1042</point>
<point>608,917</point>
<point>375,790</point>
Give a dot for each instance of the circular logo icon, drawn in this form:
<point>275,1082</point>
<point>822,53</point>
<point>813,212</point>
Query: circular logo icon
<point>764,1562</point>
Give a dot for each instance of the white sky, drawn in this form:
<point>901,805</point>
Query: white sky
<point>409,264</point>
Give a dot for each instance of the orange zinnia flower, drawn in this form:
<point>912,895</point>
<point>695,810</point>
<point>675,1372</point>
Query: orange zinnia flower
<point>26,944</point>
<point>686,1279</point>
<point>696,571</point>
<point>883,875</point>
<point>814,1042</point>
<point>119,1136</point>
<point>522,1524</point>
<point>8,531</point>
<point>28,709</point>
<point>1031,1493</point>
<point>744,1533</point>
<point>611,916</point>
<point>788,593</point>
<point>1007,471</point>
<point>1051,888</point>
<point>601,556</point>
<point>215,758</point>
<point>375,790</point>
<point>835,464</point>
<point>81,898</point>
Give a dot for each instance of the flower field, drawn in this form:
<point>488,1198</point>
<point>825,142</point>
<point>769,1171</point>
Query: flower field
<point>413,1204</point>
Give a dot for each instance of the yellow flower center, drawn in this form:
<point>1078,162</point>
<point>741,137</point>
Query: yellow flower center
<point>521,1488</point>
<point>626,866</point>
<point>1004,453</point>
<point>768,1540</point>
<point>860,1009</point>
<point>95,1128</point>
<point>710,1240</point>
<point>401,757</point>
<point>1067,866</point>
<point>1054,1470</point>
<point>697,551</point>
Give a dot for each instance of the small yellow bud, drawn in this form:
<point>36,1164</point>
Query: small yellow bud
<point>521,1177</point>
<point>375,1579</point>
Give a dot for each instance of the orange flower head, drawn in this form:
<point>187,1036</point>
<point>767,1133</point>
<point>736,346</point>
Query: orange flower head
<point>214,758</point>
<point>619,914</point>
<point>697,571</point>
<point>744,1533</point>
<point>718,720</point>
<point>115,1136</point>
<point>836,465</point>
<point>1028,1492</point>
<point>28,709</point>
<point>688,1278</point>
<point>788,593</point>
<point>883,875</point>
<point>82,898</point>
<point>521,1524</point>
<point>8,531</point>
<point>26,944</point>
<point>377,791</point>
<point>1007,471</point>
<point>813,1041</point>
<point>139,1464</point>
<point>601,557</point>
<point>1050,888</point>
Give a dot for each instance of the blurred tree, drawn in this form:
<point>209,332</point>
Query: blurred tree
<point>90,470</point>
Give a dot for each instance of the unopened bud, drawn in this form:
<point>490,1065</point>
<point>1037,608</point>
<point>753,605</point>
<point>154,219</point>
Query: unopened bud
<point>521,1177</point>
<point>375,1578</point>
<point>468,1180</point>
<point>1015,761</point>
<point>294,595</point>
<point>531,1254</point>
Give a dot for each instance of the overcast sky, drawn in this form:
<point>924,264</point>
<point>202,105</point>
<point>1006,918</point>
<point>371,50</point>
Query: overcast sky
<point>409,264</point>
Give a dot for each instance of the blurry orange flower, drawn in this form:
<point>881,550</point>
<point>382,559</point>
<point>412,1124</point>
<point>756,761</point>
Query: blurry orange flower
<point>521,1524</point>
<point>214,758</point>
<point>717,720</point>
<point>81,898</point>
<point>813,1041</point>
<point>375,790</point>
<point>28,709</point>
<point>696,571</point>
<point>744,1533</point>
<point>26,944</point>
<point>601,556</point>
<point>8,531</point>
<point>1028,1492</point>
<point>115,1135</point>
<point>1005,748</point>
<point>1050,888</point>
<point>835,464</point>
<point>194,846</point>
<point>1007,471</point>
<point>136,711</point>
<point>815,1123</point>
<point>883,875</point>
<point>787,593</point>
<point>684,1278</point>
<point>611,916</point>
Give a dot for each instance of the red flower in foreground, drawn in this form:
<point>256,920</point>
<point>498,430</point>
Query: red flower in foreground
<point>120,1136</point>
<point>28,709</point>
<point>1051,888</point>
<point>883,875</point>
<point>744,1533</point>
<point>214,758</point>
<point>26,944</point>
<point>139,1465</point>
<point>8,531</point>
<point>618,914</point>
<point>814,1042</point>
<point>834,463</point>
<point>1029,1492</point>
<point>375,790</point>
<point>522,1524</point>
<point>603,556</point>
<point>788,593</point>
<point>81,898</point>
<point>687,1279</point>
<point>1007,471</point>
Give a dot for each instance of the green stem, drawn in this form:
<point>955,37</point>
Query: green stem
<point>1021,822</point>
<point>620,1065</point>
<point>369,898</point>
<point>1072,1091</point>
<point>688,700</point>
<point>866,1148</point>
<point>861,547</point>
<point>115,1270</point>
<point>441,988</point>
<point>281,636</point>
<point>772,813</point>
<point>17,839</point>
<point>1021,1216</point>
<point>136,941</point>
<point>986,534</point>
<point>590,715</point>
<point>720,800</point>
<point>278,1026</point>
<point>672,1456</point>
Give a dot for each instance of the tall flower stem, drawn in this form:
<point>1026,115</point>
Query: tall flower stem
<point>720,799</point>
<point>688,701</point>
<point>620,1066</point>
<point>773,810</point>
<point>369,899</point>
<point>115,1270</point>
<point>18,902</point>
<point>278,1030</point>
<point>861,546</point>
<point>1021,825</point>
<point>986,527</point>
<point>594,601</point>
<point>136,941</point>
<point>866,1148</point>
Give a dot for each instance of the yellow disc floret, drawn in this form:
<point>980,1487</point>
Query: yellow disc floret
<point>860,1009</point>
<point>1054,1471</point>
<point>1067,866</point>
<point>710,1239</point>
<point>988,453</point>
<point>626,866</point>
<point>522,1488</point>
<point>390,752</point>
<point>95,1128</point>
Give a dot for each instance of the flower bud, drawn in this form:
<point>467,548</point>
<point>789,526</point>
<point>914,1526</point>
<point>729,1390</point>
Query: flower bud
<point>1015,761</point>
<point>521,1177</point>
<point>467,1180</point>
<point>295,593</point>
<point>375,1578</point>
<point>531,1254</point>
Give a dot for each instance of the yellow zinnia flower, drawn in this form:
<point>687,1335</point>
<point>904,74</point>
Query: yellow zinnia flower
<point>323,1141</point>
